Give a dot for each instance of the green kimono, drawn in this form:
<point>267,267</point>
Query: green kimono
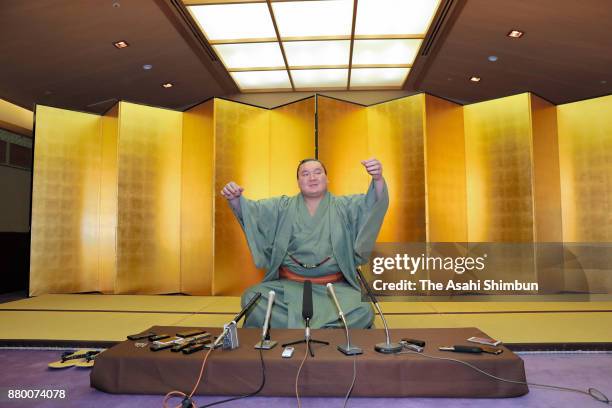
<point>281,231</point>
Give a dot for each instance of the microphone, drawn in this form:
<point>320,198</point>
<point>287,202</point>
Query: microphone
<point>231,342</point>
<point>265,342</point>
<point>245,309</point>
<point>307,311</point>
<point>387,347</point>
<point>347,350</point>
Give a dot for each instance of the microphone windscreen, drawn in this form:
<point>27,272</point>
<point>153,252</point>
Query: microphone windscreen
<point>307,311</point>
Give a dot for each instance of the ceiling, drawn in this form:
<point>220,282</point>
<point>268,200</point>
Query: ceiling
<point>60,53</point>
<point>316,45</point>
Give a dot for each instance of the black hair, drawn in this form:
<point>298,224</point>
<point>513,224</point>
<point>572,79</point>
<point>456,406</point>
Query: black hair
<point>297,172</point>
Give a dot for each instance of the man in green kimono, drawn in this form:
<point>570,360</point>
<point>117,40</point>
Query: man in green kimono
<point>315,236</point>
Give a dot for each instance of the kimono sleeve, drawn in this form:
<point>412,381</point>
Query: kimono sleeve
<point>366,214</point>
<point>259,220</point>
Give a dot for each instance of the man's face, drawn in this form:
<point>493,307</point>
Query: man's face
<point>312,179</point>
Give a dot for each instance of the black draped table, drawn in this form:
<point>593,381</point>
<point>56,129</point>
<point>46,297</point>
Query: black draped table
<point>127,369</point>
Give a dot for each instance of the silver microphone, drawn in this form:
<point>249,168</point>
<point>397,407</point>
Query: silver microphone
<point>264,331</point>
<point>386,347</point>
<point>265,342</point>
<point>347,350</point>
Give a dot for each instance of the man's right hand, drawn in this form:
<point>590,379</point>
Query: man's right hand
<point>232,191</point>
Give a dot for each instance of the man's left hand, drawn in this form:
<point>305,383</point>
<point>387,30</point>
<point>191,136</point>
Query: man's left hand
<point>373,167</point>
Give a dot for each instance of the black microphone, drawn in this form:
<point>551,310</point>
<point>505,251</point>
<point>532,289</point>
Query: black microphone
<point>230,328</point>
<point>247,307</point>
<point>307,311</point>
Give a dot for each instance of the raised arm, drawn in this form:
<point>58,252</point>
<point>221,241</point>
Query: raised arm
<point>374,169</point>
<point>232,192</point>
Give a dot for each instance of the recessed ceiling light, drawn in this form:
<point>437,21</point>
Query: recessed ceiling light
<point>121,44</point>
<point>492,58</point>
<point>147,67</point>
<point>475,79</point>
<point>603,81</point>
<point>515,34</point>
<point>168,85</point>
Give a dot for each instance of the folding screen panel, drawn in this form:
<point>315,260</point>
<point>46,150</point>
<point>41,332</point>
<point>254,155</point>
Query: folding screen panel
<point>242,155</point>
<point>546,177</point>
<point>292,129</point>
<point>445,171</point>
<point>65,202</point>
<point>197,250</point>
<point>393,133</point>
<point>342,144</point>
<point>546,197</point>
<point>585,145</point>
<point>258,149</point>
<point>108,201</point>
<point>148,205</point>
<point>498,170</point>
<point>396,137</point>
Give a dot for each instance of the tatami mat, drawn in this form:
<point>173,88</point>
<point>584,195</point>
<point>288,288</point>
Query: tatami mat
<point>78,325</point>
<point>92,317</point>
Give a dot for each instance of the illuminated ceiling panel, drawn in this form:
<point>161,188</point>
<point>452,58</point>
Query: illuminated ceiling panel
<point>320,78</point>
<point>378,77</point>
<point>384,17</point>
<point>257,80</point>
<point>234,21</point>
<point>314,18</point>
<point>317,53</point>
<point>250,55</point>
<point>315,44</point>
<point>374,52</point>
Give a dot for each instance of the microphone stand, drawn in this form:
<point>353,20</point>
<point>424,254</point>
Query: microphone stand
<point>229,336</point>
<point>266,343</point>
<point>347,350</point>
<point>307,313</point>
<point>307,339</point>
<point>387,347</point>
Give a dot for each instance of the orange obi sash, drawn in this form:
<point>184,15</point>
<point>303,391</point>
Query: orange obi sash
<point>286,273</point>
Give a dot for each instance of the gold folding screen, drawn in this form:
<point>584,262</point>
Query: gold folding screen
<point>258,149</point>
<point>498,170</point>
<point>343,143</point>
<point>108,200</point>
<point>65,205</point>
<point>445,171</point>
<point>125,202</point>
<point>197,250</point>
<point>149,191</point>
<point>585,146</point>
<point>129,202</point>
<point>393,133</point>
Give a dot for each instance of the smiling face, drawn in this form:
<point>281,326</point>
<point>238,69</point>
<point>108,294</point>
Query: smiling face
<point>312,179</point>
